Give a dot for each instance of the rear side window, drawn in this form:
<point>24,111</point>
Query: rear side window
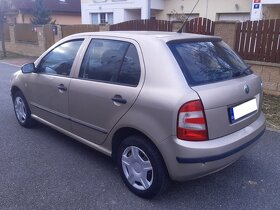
<point>111,61</point>
<point>208,62</point>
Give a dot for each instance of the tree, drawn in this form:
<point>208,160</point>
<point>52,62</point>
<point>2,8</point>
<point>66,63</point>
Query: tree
<point>4,7</point>
<point>41,15</point>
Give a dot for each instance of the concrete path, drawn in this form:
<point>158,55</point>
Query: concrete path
<point>17,62</point>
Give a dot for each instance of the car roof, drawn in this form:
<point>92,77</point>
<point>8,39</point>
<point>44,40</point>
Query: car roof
<point>165,36</point>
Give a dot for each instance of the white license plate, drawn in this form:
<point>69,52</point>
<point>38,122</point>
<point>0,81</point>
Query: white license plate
<point>243,110</point>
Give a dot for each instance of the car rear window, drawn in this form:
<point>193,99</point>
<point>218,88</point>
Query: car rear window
<point>208,61</point>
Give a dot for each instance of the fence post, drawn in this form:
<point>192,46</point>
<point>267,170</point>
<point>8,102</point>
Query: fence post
<point>12,34</point>
<point>227,31</point>
<point>41,39</point>
<point>59,34</point>
<point>11,43</point>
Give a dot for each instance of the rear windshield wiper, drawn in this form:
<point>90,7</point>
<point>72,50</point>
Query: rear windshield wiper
<point>242,72</point>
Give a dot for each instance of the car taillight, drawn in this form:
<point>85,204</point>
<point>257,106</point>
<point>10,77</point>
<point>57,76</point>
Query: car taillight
<point>192,124</point>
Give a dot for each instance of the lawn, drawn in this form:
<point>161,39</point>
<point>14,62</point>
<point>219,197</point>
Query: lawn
<point>271,108</point>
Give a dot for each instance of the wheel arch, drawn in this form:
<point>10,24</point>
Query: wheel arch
<point>14,89</point>
<point>122,133</point>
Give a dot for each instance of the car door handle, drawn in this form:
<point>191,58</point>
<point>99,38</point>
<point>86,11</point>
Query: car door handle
<point>62,87</point>
<point>119,99</point>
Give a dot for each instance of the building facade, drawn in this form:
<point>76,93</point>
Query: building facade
<point>116,11</point>
<point>211,9</point>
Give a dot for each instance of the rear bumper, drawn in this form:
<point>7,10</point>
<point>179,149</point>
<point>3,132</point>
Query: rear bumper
<point>190,160</point>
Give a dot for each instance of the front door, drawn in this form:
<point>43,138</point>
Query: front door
<point>108,84</point>
<point>50,83</point>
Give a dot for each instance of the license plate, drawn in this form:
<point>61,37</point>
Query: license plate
<point>242,110</point>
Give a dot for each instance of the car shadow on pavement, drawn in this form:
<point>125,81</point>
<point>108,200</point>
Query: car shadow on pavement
<point>72,144</point>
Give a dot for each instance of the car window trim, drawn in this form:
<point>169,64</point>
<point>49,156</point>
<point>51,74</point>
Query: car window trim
<point>106,82</point>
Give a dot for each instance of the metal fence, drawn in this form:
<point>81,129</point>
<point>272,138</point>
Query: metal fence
<point>259,40</point>
<point>26,33</point>
<point>73,29</point>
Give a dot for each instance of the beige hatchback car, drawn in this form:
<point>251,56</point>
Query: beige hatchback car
<point>163,105</point>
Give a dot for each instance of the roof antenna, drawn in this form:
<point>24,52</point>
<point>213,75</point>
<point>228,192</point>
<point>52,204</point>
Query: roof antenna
<point>185,22</point>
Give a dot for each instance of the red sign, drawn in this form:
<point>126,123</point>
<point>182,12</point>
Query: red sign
<point>257,1</point>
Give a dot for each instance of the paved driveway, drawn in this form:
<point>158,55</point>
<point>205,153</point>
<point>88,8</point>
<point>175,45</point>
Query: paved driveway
<point>42,169</point>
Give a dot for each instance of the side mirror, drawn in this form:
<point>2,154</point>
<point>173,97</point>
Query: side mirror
<point>28,68</point>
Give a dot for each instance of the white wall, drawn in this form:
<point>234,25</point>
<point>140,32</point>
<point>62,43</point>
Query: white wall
<point>132,14</point>
<point>270,1</point>
<point>234,16</point>
<point>157,4</point>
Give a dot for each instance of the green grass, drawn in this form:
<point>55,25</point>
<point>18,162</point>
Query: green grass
<point>271,108</point>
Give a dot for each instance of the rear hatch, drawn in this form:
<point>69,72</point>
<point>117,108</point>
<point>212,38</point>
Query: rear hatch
<point>230,93</point>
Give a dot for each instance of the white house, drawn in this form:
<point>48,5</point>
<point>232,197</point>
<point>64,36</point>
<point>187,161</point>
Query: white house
<point>116,11</point>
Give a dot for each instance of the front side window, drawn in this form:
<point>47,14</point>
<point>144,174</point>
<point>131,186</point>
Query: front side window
<point>59,61</point>
<point>205,62</point>
<point>111,61</point>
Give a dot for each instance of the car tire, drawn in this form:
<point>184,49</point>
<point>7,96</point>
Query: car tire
<point>22,110</point>
<point>141,166</point>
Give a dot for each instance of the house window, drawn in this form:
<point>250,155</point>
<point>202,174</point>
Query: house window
<point>110,18</point>
<point>102,18</point>
<point>95,18</point>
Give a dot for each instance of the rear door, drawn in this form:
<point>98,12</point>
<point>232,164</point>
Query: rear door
<point>231,94</point>
<point>108,83</point>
